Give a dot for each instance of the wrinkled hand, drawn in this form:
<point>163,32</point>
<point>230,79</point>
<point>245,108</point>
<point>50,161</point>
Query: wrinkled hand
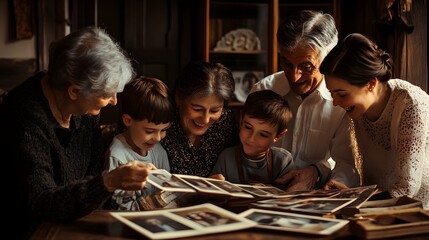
<point>131,176</point>
<point>334,184</point>
<point>298,180</point>
<point>217,176</point>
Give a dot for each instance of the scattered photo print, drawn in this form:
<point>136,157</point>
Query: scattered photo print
<point>294,222</point>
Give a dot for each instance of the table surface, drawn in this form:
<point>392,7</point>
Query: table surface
<point>101,225</point>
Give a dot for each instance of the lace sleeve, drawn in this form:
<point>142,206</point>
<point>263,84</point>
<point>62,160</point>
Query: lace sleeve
<point>410,147</point>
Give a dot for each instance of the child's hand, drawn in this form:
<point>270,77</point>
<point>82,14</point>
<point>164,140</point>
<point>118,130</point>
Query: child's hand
<point>217,176</point>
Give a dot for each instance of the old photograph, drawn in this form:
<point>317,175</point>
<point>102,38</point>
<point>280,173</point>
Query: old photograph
<point>322,205</point>
<point>254,190</point>
<point>183,222</point>
<point>294,222</point>
<point>201,185</point>
<point>244,81</point>
<point>163,180</point>
<point>231,188</point>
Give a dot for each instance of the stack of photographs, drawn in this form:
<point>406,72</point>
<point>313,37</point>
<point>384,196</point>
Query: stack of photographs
<point>166,181</point>
<point>319,202</point>
<point>313,206</point>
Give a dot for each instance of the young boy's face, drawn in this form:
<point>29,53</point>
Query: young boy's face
<point>145,135</point>
<point>256,136</point>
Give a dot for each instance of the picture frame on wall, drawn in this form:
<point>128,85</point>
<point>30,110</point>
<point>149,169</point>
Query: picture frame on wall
<point>244,81</point>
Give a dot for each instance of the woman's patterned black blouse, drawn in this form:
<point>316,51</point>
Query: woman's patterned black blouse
<point>184,158</point>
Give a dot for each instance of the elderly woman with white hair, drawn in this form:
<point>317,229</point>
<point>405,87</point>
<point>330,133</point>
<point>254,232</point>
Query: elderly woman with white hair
<point>51,136</point>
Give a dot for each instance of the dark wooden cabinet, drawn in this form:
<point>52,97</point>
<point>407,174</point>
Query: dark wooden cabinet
<point>240,35</point>
<point>149,32</point>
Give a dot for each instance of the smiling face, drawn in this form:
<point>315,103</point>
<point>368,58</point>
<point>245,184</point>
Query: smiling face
<point>256,136</point>
<point>301,67</point>
<point>142,135</point>
<point>354,99</point>
<point>198,113</point>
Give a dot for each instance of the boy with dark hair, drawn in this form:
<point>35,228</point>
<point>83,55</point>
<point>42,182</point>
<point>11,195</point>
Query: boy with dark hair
<point>264,120</point>
<point>147,112</point>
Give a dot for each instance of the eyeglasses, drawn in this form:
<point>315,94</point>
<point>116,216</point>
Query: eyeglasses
<point>303,69</point>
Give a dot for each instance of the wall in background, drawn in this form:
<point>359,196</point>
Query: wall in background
<point>24,48</point>
<point>17,57</point>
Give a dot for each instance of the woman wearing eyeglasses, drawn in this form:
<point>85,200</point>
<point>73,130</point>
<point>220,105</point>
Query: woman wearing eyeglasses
<point>319,130</point>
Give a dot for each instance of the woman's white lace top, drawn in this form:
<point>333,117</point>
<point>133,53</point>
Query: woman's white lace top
<point>395,148</point>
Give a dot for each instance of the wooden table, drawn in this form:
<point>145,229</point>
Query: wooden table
<point>101,225</point>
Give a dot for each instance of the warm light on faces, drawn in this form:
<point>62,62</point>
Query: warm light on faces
<point>354,99</point>
<point>198,113</point>
<point>256,137</point>
<point>301,67</point>
<point>93,105</point>
<point>142,135</point>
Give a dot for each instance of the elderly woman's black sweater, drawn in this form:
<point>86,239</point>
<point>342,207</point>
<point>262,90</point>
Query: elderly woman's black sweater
<point>56,173</point>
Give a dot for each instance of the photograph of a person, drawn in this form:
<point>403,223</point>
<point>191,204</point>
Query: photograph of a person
<point>163,180</point>
<point>294,222</point>
<point>158,223</point>
<point>322,205</point>
<point>208,218</point>
<point>201,185</point>
<point>175,223</point>
<point>284,201</point>
<point>254,190</point>
<point>232,189</point>
<point>362,194</point>
<point>244,81</point>
<point>276,192</point>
